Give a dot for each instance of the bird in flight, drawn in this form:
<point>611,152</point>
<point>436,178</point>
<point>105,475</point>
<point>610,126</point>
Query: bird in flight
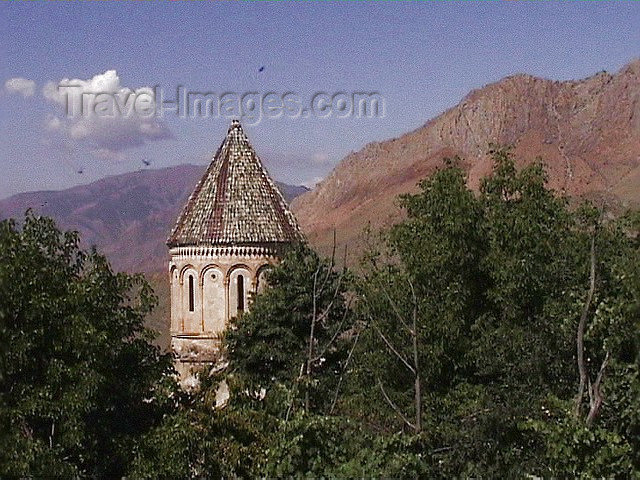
<point>146,162</point>
<point>261,69</point>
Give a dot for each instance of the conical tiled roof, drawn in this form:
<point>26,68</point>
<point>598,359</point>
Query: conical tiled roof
<point>235,202</point>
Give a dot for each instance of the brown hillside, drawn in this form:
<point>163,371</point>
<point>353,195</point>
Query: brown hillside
<point>128,217</point>
<point>587,132</point>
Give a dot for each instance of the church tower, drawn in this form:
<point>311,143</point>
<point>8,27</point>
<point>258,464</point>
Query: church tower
<point>234,226</point>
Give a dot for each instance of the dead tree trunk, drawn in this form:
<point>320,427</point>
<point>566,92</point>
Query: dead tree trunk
<point>594,390</point>
<point>582,324</point>
<point>319,316</point>
<point>416,364</point>
<point>412,364</point>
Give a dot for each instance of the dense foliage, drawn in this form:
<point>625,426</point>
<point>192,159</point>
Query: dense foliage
<point>289,345</point>
<point>494,333</point>
<point>79,380</point>
<point>501,281</point>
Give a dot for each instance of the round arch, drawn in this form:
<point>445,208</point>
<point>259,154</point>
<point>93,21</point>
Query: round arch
<point>213,299</point>
<point>186,267</point>
<point>191,300</point>
<point>261,281</point>
<point>239,278</point>
<point>209,267</point>
<point>237,266</point>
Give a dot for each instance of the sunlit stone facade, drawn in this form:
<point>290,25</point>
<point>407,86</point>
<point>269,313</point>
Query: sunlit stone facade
<point>234,226</point>
<point>209,286</point>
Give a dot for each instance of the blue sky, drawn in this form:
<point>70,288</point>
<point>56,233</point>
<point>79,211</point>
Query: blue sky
<point>422,57</point>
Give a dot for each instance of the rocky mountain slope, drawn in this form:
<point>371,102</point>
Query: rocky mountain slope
<point>127,216</point>
<point>587,132</point>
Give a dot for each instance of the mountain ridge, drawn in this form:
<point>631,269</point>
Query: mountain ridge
<point>128,216</point>
<point>587,132</point>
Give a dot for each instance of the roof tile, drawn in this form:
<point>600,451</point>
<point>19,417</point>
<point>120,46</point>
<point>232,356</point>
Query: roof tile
<point>235,202</point>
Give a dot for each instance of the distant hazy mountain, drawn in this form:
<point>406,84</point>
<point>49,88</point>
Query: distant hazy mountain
<point>587,132</point>
<point>128,216</point>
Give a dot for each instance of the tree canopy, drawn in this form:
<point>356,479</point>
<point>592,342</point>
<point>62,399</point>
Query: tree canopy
<point>80,380</point>
<point>501,284</point>
<point>489,333</point>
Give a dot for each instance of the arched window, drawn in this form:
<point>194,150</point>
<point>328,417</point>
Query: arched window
<point>191,294</point>
<point>262,278</point>
<point>240,293</point>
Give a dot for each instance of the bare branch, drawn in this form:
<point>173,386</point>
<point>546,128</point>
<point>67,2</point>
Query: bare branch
<point>603,366</point>
<point>394,407</point>
<point>330,267</point>
<point>336,334</point>
<point>344,370</point>
<point>415,368</point>
<point>440,450</point>
<point>311,335</point>
<point>325,313</point>
<point>416,363</point>
<point>595,392</point>
<point>26,430</point>
<point>391,347</point>
<point>327,310</point>
<point>393,304</point>
<point>344,259</point>
<point>300,375</point>
<point>582,368</point>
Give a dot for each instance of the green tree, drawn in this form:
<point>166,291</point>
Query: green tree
<point>316,446</point>
<point>498,282</point>
<point>595,433</point>
<point>200,440</point>
<point>419,296</point>
<point>289,345</point>
<point>80,380</point>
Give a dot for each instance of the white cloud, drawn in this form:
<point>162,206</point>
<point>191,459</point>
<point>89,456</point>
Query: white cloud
<point>103,114</point>
<point>312,182</point>
<point>320,158</point>
<point>52,122</point>
<point>105,154</point>
<point>22,86</point>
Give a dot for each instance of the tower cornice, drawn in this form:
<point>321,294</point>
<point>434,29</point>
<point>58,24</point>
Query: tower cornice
<point>221,251</point>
